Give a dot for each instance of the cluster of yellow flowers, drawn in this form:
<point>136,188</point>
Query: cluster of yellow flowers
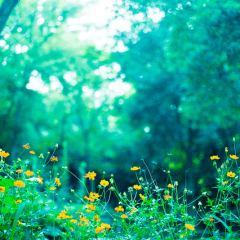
<point>4,154</point>
<point>62,215</point>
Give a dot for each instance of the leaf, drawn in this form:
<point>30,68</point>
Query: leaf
<point>19,211</point>
<point>7,183</point>
<point>2,228</point>
<point>220,220</point>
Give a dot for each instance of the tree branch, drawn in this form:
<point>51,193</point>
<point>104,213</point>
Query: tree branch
<point>5,11</point>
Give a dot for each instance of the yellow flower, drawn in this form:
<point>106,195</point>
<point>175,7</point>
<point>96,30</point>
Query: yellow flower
<point>26,146</point>
<point>189,227</point>
<point>231,174</point>
<point>234,157</point>
<point>94,195</point>
<point>99,229</point>
<point>19,183</point>
<point>52,188</point>
<point>32,152</point>
<point>62,215</point>
<point>54,159</point>
<point>19,170</point>
<point>57,180</point>
<point>2,189</point>
<point>18,201</point>
<point>170,186</point>
<point>71,229</point>
<point>4,154</point>
<point>133,210</point>
<point>214,158</point>
<point>104,183</point>
<point>166,197</point>
<point>96,217</point>
<point>137,187</point>
<point>40,179</point>
<point>210,219</point>
<point>142,197</point>
<point>119,209</point>
<point>29,173</point>
<point>224,183</point>
<point>84,219</point>
<point>20,223</point>
<point>89,199</point>
<point>90,206</point>
<point>135,168</point>
<point>182,235</point>
<point>91,176</point>
<point>124,216</point>
<point>105,225</point>
<point>73,221</point>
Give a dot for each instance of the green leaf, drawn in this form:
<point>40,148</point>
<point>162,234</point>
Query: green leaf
<point>19,211</point>
<point>2,228</point>
<point>220,220</point>
<point>7,183</point>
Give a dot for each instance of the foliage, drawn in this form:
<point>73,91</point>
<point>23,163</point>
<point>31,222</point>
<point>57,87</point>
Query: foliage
<point>32,202</point>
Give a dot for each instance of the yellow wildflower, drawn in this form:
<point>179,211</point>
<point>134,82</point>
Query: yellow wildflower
<point>62,215</point>
<point>105,225</point>
<point>104,183</point>
<point>234,157</point>
<point>29,173</point>
<point>52,188</point>
<point>54,159</point>
<point>99,229</point>
<point>137,187</point>
<point>18,201</point>
<point>4,154</point>
<point>73,221</point>
<point>32,152</point>
<point>170,186</point>
<point>231,174</point>
<point>57,180</point>
<point>90,206</point>
<point>124,216</point>
<point>166,197</point>
<point>20,223</point>
<point>214,157</point>
<point>90,175</point>
<point>210,219</point>
<point>19,183</point>
<point>135,168</point>
<point>84,219</point>
<point>119,209</point>
<point>224,183</point>
<point>97,219</point>
<point>2,189</point>
<point>189,227</point>
<point>142,197</point>
<point>41,182</point>
<point>19,170</point>
<point>26,146</point>
<point>133,210</point>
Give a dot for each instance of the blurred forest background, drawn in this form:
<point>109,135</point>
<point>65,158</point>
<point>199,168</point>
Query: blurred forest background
<point>163,86</point>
